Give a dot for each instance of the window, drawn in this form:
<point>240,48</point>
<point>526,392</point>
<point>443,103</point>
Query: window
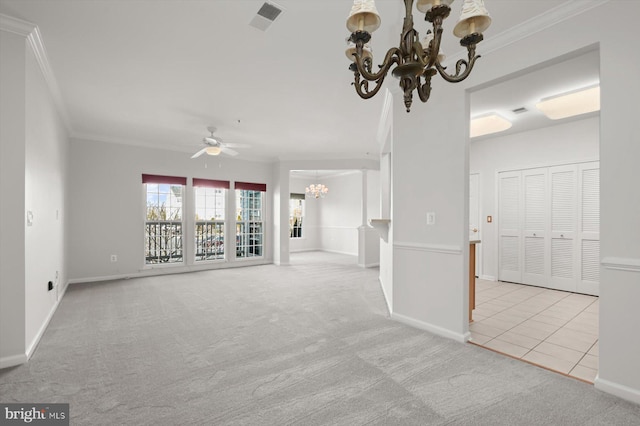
<point>296,214</point>
<point>210,198</point>
<point>249,220</point>
<point>163,241</point>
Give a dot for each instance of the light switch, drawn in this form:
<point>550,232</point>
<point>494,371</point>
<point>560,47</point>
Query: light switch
<point>431,218</point>
<point>29,218</point>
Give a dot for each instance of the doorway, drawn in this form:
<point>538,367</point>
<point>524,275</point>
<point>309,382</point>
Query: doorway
<point>536,180</point>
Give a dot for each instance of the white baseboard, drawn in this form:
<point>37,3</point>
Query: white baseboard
<point>386,298</point>
<point>152,272</point>
<point>36,340</point>
<point>459,337</point>
<point>370,265</point>
<point>618,390</point>
<point>340,252</point>
<point>13,360</point>
<point>488,278</point>
<point>101,278</point>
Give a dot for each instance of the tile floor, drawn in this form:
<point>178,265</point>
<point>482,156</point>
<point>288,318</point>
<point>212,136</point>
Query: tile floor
<point>550,328</point>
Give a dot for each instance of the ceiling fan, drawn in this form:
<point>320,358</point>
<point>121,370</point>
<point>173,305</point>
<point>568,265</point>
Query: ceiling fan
<point>214,145</point>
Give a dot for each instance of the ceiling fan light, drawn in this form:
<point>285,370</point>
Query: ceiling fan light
<point>213,150</point>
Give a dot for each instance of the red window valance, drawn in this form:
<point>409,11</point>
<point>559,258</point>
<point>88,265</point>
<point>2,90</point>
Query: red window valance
<point>211,183</point>
<point>251,186</point>
<point>172,180</point>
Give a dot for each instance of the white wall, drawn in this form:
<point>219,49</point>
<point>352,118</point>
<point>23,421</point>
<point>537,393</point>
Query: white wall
<point>340,213</point>
<point>421,279</point>
<point>33,161</point>
<point>45,197</point>
<point>373,194</point>
<point>619,205</point>
<point>572,142</point>
<point>430,175</point>
<point>12,199</point>
<point>107,205</point>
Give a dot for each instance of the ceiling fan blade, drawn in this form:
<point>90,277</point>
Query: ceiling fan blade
<point>237,145</point>
<point>199,153</point>
<point>229,151</point>
<point>212,140</point>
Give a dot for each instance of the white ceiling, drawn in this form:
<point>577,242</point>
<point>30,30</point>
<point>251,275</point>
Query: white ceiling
<point>157,73</point>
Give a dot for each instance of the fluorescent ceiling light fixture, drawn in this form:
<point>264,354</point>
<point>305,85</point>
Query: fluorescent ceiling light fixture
<point>487,124</point>
<point>570,104</point>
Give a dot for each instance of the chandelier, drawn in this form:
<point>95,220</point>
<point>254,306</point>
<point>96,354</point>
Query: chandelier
<point>316,191</point>
<point>416,61</point>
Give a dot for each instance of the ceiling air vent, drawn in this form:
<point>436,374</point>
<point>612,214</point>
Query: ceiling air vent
<point>519,110</point>
<point>266,15</point>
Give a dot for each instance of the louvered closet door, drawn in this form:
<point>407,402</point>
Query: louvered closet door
<point>589,228</point>
<point>563,180</point>
<point>509,216</point>
<point>534,185</point>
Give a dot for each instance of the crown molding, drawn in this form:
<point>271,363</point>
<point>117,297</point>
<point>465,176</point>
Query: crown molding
<point>15,25</point>
<point>31,32</point>
<point>554,16</point>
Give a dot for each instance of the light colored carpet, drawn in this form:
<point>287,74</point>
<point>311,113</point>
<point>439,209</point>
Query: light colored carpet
<point>305,344</point>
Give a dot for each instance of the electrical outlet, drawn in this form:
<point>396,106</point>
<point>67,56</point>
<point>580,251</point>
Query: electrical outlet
<point>114,257</point>
<point>50,286</point>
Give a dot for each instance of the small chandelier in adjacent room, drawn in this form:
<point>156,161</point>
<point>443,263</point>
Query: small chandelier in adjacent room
<point>317,190</point>
<point>416,61</point>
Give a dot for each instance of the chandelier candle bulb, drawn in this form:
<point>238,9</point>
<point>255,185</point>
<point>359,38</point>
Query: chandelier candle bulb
<point>424,5</point>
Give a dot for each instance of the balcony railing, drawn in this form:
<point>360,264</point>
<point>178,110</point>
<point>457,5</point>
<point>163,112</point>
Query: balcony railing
<point>163,242</point>
<point>209,240</point>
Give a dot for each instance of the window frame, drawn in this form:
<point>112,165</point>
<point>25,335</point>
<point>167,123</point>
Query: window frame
<point>219,224</point>
<point>249,223</point>
<point>180,224</point>
<point>295,197</point>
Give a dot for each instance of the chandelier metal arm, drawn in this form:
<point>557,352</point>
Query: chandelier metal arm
<point>470,41</point>
<point>362,86</point>
<point>459,76</point>
<point>363,75</point>
<point>365,69</point>
<point>416,62</point>
<point>424,90</point>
